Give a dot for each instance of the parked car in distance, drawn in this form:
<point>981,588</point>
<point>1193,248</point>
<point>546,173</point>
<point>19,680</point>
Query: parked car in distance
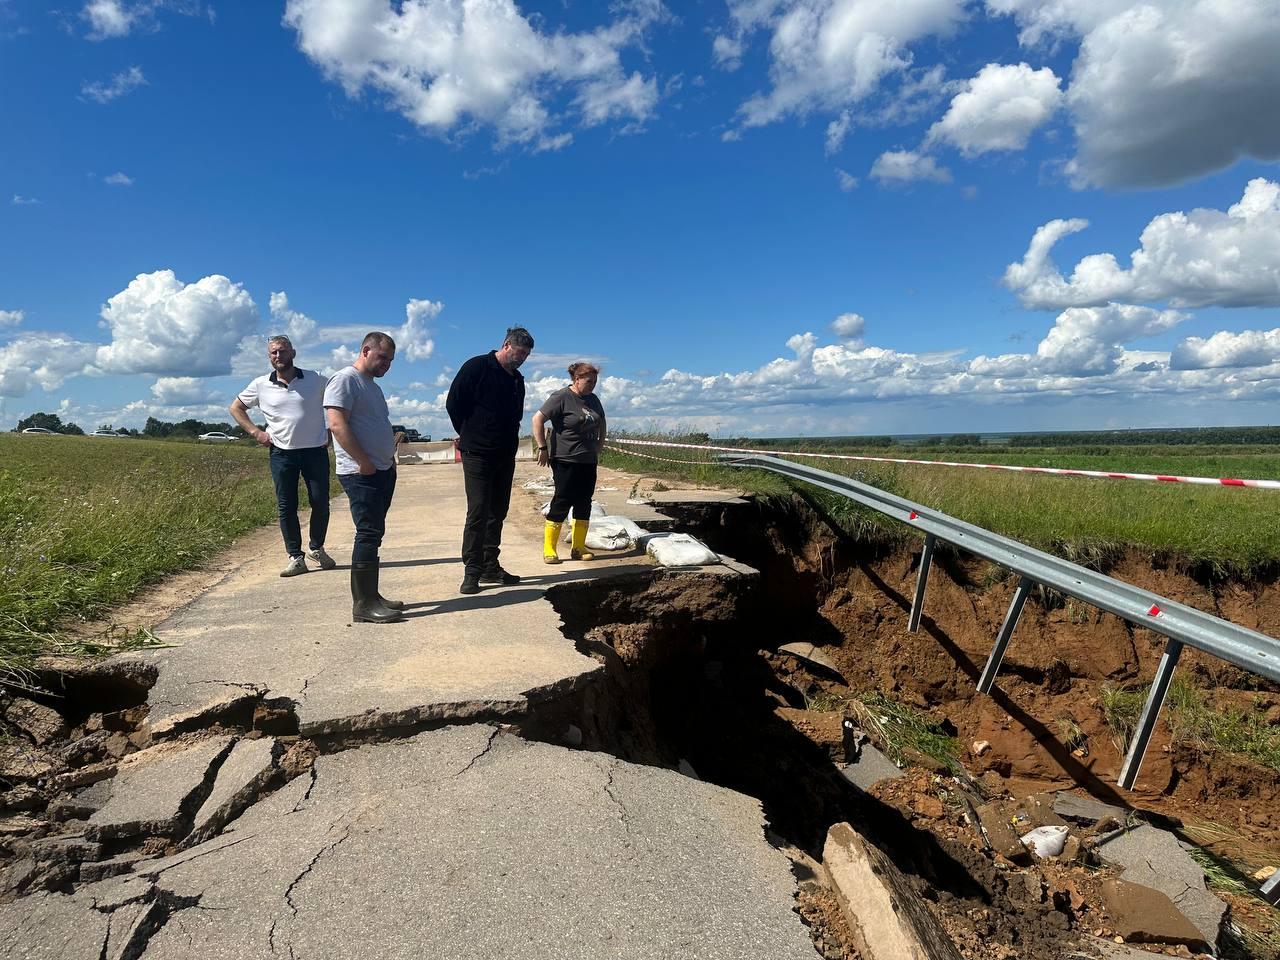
<point>105,433</point>
<point>39,430</point>
<point>217,437</point>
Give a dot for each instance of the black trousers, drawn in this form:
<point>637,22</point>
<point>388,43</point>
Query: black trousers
<point>488,485</point>
<point>370,498</point>
<point>313,465</point>
<point>575,485</point>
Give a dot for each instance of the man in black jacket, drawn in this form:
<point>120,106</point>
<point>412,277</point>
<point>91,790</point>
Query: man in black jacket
<point>486,405</point>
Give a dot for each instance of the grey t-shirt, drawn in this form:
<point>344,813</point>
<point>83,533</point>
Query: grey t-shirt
<point>577,424</point>
<point>367,415</point>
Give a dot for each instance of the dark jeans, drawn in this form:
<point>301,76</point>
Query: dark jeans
<point>488,484</point>
<point>313,464</point>
<point>370,499</point>
<point>575,483</point>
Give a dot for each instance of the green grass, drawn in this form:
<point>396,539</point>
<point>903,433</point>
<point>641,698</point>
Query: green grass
<point>1192,720</point>
<point>904,732</point>
<point>85,523</point>
<point>1228,531</point>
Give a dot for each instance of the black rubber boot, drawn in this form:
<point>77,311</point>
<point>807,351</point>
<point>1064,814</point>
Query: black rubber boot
<point>391,604</point>
<point>366,605</point>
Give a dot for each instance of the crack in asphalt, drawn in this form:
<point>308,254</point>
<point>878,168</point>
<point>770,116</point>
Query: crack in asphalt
<point>622,808</point>
<point>288,894</point>
<point>493,735</point>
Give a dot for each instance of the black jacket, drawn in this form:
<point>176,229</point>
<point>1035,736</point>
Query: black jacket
<point>486,405</point>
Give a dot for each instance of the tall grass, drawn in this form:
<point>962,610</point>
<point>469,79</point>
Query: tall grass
<point>1231,531</point>
<point>85,523</point>
<point>1192,720</point>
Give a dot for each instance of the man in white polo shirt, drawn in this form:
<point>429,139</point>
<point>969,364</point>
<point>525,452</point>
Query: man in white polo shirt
<point>292,400</point>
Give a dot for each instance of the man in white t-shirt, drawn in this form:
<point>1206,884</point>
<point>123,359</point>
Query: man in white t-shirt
<point>292,400</point>
<point>364,446</point>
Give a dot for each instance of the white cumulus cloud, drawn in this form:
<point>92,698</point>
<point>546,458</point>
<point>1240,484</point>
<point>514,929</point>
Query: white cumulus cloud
<point>1250,348</point>
<point>1161,92</point>
<point>849,326</point>
<point>46,360</point>
<point>118,179</point>
<point>11,318</point>
<point>413,340</point>
<point>104,91</point>
<point>831,54</point>
<point>294,324</point>
<point>445,64</point>
<point>163,326</point>
<point>907,166</point>
<point>173,391</point>
<point>1199,258</point>
<point>998,109</point>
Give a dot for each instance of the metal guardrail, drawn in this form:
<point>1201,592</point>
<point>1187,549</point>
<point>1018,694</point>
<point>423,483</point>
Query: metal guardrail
<point>1183,625</point>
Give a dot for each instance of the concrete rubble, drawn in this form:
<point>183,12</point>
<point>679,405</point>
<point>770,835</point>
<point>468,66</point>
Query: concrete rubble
<point>155,789</point>
<point>889,921</point>
<point>1154,858</point>
<point>1141,914</point>
<point>247,769</point>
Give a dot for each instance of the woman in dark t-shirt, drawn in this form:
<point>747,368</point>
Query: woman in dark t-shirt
<point>577,424</point>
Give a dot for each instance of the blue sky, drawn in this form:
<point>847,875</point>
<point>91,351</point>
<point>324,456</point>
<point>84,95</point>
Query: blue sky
<point>759,216</point>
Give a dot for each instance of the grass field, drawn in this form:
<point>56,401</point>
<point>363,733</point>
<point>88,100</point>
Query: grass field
<point>1230,531</point>
<point>85,522</point>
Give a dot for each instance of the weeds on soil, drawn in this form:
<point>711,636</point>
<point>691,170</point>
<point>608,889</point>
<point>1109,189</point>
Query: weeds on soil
<point>1193,721</point>
<point>84,526</point>
<point>903,731</point>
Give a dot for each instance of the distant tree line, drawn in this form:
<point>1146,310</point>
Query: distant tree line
<point>187,429</point>
<point>48,421</point>
<point>155,429</point>
<point>1173,436</point>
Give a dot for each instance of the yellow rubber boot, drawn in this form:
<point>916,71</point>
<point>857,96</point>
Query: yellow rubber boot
<point>579,551</point>
<point>550,537</point>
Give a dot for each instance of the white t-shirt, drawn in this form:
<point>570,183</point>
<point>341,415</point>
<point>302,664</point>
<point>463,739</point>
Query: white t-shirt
<point>294,410</point>
<point>367,416</point>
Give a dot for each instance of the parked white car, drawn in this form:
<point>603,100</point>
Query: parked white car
<point>105,433</point>
<point>217,437</point>
<point>39,430</point>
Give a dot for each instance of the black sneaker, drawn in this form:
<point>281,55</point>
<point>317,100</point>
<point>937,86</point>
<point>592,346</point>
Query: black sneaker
<point>470,584</point>
<point>496,576</point>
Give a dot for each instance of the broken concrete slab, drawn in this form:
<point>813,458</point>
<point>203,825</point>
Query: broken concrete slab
<point>82,804</point>
<point>870,767</point>
<point>1000,832</point>
<point>1085,809</point>
<point>887,918</point>
<point>470,843</point>
<point>116,866</point>
<point>42,724</point>
<point>20,761</point>
<point>1155,858</point>
<point>1141,914</point>
<point>70,848</point>
<point>154,789</point>
<point>246,770</point>
<point>813,655</point>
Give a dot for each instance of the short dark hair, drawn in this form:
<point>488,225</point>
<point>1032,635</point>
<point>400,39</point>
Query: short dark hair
<point>376,339</point>
<point>518,337</point>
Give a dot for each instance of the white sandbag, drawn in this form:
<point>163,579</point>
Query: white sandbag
<point>612,533</point>
<point>680,550</point>
<point>1046,841</point>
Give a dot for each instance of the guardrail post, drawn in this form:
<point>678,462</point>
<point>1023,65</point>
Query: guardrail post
<point>988,678</point>
<point>1271,889</point>
<point>922,580</point>
<point>1150,713</point>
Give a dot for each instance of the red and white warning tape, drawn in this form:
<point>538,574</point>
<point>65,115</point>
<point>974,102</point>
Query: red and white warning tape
<point>650,456</point>
<point>1059,471</point>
